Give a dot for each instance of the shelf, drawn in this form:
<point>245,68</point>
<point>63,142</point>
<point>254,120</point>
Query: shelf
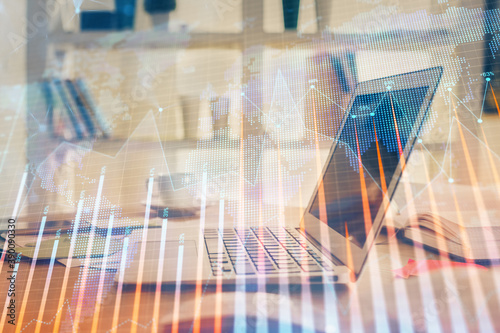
<point>160,39</point>
<point>133,39</point>
<point>112,146</point>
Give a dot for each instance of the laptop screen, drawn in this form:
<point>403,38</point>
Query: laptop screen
<point>360,170</point>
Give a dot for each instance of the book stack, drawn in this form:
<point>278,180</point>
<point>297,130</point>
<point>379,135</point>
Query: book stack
<point>103,15</point>
<point>71,112</point>
<point>453,225</point>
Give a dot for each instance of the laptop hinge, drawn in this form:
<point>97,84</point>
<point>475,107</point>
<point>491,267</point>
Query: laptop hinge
<point>320,247</point>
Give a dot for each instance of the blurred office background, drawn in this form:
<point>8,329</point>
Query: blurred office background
<point>250,91</point>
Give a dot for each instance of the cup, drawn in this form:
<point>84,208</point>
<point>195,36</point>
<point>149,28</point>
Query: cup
<point>173,190</point>
<point>220,108</point>
<point>190,114</point>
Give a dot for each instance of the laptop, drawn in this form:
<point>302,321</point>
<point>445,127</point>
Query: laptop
<point>344,214</point>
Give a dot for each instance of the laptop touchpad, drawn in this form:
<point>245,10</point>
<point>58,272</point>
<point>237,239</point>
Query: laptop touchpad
<point>175,256</point>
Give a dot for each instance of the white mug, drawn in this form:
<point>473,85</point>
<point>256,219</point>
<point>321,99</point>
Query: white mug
<point>172,190</point>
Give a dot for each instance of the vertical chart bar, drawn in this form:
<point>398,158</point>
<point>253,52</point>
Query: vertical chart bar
<point>427,293</point>
<point>378,296</point>
<point>201,244</point>
<point>306,299</point>
<point>30,276</point>
<point>495,99</point>
<point>88,255</point>
<point>403,310</point>
<point>142,256</point>
<point>240,306</point>
<point>177,297</point>
<point>119,289</point>
<point>102,274</point>
<point>402,301</point>
<point>285,315</point>
<point>20,193</point>
<point>329,294</point>
<point>218,288</point>
<point>46,288</point>
<point>455,313</point>
<point>161,258</point>
<point>483,316</point>
<point>332,307</point>
<point>64,285</point>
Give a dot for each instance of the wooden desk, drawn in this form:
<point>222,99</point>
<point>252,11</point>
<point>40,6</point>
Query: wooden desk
<point>446,299</point>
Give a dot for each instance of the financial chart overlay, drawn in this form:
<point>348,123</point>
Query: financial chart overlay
<point>250,166</point>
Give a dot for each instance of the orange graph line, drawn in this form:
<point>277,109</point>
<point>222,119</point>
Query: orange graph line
<point>424,282</point>
<point>383,182</point>
<point>476,286</point>
<point>328,293</point>
<point>474,183</point>
<point>442,246</point>
<point>364,193</point>
<point>495,99</point>
<point>380,165</point>
<point>399,289</point>
<point>350,262</point>
<point>493,167</point>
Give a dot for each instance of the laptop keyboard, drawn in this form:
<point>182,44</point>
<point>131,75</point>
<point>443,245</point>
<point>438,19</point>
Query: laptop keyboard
<point>262,251</point>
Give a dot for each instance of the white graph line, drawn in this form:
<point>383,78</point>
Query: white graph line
<point>462,103</point>
<point>13,129</point>
<point>484,98</point>
<point>454,119</point>
<point>65,304</point>
<point>68,308</point>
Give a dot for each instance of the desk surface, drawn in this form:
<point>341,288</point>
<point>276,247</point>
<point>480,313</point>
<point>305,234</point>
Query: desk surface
<point>446,299</point>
